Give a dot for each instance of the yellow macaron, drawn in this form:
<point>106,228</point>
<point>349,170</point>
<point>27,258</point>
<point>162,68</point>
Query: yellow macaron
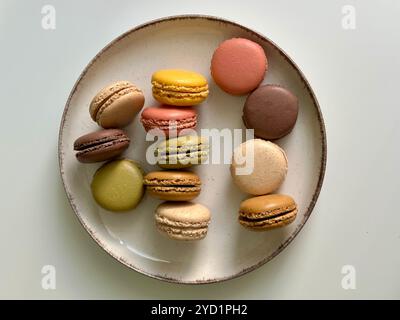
<point>179,87</point>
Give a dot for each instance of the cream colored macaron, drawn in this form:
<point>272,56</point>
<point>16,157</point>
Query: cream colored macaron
<point>259,167</point>
<point>183,220</point>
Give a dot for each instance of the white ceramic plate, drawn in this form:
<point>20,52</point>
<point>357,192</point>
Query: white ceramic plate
<point>229,250</point>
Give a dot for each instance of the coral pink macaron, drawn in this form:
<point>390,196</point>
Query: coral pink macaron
<point>168,119</point>
<point>238,66</point>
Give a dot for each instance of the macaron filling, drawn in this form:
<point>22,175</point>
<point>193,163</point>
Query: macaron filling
<point>98,142</point>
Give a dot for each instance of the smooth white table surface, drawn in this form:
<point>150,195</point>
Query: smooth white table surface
<point>354,74</point>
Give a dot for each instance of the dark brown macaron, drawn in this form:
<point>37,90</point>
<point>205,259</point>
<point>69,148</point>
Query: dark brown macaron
<point>101,145</point>
<point>271,111</point>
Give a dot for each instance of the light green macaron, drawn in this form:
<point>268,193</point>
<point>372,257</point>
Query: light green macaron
<point>182,152</point>
<point>118,185</point>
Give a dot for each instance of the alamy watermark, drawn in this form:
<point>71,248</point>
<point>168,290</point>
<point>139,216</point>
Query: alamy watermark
<point>349,277</point>
<point>48,21</point>
<point>48,281</point>
<point>221,142</point>
<point>349,17</point>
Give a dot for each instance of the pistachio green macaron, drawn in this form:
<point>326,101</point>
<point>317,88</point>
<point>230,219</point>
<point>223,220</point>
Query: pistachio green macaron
<point>182,152</point>
<point>118,185</point>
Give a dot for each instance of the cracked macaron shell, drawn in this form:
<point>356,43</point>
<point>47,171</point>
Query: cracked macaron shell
<point>173,185</point>
<point>101,145</point>
<point>116,105</point>
<point>267,212</point>
<point>179,87</point>
<point>183,220</point>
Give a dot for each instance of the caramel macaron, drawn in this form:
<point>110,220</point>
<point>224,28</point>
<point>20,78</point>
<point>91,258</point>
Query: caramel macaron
<point>173,185</point>
<point>267,212</point>
<point>116,105</point>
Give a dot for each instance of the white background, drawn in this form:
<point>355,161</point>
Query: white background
<point>355,75</point>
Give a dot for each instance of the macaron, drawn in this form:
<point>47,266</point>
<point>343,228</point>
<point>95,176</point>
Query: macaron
<point>183,220</point>
<point>173,185</point>
<point>179,87</point>
<point>116,105</point>
<point>118,185</point>
<point>101,145</point>
<point>171,121</point>
<point>267,212</point>
<point>238,66</point>
<point>258,167</point>
<point>182,152</point>
<point>271,111</point>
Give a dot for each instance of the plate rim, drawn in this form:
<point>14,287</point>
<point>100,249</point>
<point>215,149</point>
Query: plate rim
<point>321,127</point>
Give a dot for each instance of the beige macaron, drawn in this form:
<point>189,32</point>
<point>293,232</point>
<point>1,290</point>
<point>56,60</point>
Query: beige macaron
<point>116,105</point>
<point>183,220</point>
<point>258,166</point>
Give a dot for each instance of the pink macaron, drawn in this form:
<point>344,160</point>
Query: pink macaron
<point>168,119</point>
<point>238,66</point>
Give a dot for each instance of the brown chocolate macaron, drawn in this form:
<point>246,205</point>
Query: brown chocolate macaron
<point>101,145</point>
<point>271,111</point>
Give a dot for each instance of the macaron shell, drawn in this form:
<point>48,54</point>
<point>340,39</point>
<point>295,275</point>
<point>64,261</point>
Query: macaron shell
<point>179,80</point>
<point>103,152</point>
<point>179,99</point>
<point>271,223</point>
<point>238,66</point>
<point>269,168</point>
<point>168,113</point>
<point>118,185</point>
<point>186,234</point>
<point>174,193</point>
<point>105,94</point>
<point>271,111</point>
<point>121,111</point>
<point>266,206</point>
<point>93,137</point>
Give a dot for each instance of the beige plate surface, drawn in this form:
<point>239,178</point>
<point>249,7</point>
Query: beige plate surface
<point>229,250</point>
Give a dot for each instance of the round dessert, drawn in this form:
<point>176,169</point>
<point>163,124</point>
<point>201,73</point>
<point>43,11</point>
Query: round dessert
<point>116,105</point>
<point>101,145</point>
<point>238,66</point>
<point>267,212</point>
<point>271,111</point>
<point>173,185</point>
<point>258,166</point>
<point>171,121</point>
<point>182,152</point>
<point>179,87</point>
<point>183,220</point>
<point>118,185</point>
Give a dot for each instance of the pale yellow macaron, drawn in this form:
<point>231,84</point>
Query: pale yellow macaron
<point>179,87</point>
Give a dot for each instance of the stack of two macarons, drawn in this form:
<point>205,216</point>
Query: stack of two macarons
<point>177,91</point>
